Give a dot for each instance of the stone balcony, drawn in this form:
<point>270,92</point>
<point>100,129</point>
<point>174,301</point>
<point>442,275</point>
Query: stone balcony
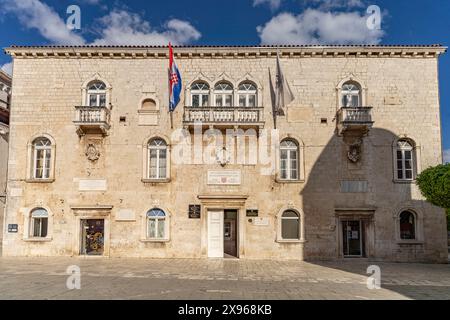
<point>95,120</point>
<point>355,120</point>
<point>242,117</point>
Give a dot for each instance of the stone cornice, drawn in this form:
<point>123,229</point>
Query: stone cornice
<point>218,52</point>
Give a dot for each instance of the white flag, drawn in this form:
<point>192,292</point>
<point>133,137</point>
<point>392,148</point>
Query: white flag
<point>284,94</point>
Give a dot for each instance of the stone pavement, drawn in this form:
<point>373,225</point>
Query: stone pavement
<point>102,278</point>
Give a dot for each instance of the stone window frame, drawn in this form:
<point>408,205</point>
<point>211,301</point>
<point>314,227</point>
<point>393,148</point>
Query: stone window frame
<point>167,225</point>
<point>418,218</point>
<point>146,160</point>
<point>84,90</point>
<point>200,92</point>
<point>28,224</point>
<point>301,159</point>
<point>416,156</point>
<point>362,85</point>
<point>31,159</point>
<point>279,216</point>
<point>247,93</point>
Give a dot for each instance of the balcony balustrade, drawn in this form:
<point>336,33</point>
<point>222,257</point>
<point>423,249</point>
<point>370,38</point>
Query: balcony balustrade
<point>354,119</point>
<point>92,120</point>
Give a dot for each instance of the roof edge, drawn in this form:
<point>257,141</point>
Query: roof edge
<point>285,50</point>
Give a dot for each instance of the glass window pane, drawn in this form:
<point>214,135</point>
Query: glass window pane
<point>252,101</point>
<point>289,214</point>
<point>205,100</point>
<point>44,223</point>
<point>408,164</point>
<point>355,101</point>
<point>399,155</point>
<point>161,223</point>
<point>36,227</point>
<point>399,174</point>
<point>102,100</point>
<point>242,100</point>
<point>195,100</point>
<point>407,226</point>
<point>408,155</point>
<point>151,228</point>
<point>219,100</point>
<point>290,229</point>
<point>408,174</point>
<point>228,100</point>
<point>92,100</point>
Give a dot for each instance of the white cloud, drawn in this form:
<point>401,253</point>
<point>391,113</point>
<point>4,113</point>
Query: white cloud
<point>447,156</point>
<point>127,28</point>
<point>119,27</point>
<point>91,1</point>
<point>314,26</point>
<point>34,14</point>
<point>273,4</point>
<point>333,4</point>
<point>7,67</point>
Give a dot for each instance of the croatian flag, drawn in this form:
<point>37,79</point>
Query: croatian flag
<point>174,82</point>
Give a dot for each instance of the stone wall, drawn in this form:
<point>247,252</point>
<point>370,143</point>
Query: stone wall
<point>405,99</point>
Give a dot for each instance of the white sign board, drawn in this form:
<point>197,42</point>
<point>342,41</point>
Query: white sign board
<point>224,177</point>
<point>92,185</point>
<point>260,221</point>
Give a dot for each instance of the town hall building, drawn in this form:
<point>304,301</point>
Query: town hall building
<point>98,166</point>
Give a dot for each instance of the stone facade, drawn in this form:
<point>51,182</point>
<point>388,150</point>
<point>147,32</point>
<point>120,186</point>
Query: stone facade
<point>100,171</point>
<point>5,91</point>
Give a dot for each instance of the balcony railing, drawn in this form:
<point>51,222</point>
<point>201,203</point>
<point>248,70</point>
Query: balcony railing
<point>355,119</point>
<point>224,115</point>
<point>92,119</point>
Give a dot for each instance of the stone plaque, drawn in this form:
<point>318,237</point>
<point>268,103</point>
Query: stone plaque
<point>224,177</point>
<point>125,215</point>
<point>261,221</point>
<point>148,119</point>
<point>92,185</point>
<point>354,186</point>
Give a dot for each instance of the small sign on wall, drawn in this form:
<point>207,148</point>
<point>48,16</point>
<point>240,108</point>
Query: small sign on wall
<point>252,212</point>
<point>261,221</point>
<point>194,211</point>
<point>13,228</point>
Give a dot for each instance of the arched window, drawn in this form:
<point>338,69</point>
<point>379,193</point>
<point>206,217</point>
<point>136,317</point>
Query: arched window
<point>149,105</point>
<point>290,225</point>
<point>200,94</point>
<point>42,154</point>
<point>289,160</point>
<point>96,94</point>
<point>156,224</point>
<point>157,165</point>
<point>223,93</point>
<point>404,160</point>
<point>247,93</point>
<point>39,223</point>
<point>351,95</point>
<point>407,226</point>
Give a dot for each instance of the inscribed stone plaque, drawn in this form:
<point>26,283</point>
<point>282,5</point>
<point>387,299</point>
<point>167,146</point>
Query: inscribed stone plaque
<point>224,177</point>
<point>354,186</point>
<point>92,185</point>
<point>261,221</point>
<point>125,215</point>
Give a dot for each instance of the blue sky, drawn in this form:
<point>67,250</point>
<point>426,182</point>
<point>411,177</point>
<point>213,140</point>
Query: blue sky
<point>231,22</point>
